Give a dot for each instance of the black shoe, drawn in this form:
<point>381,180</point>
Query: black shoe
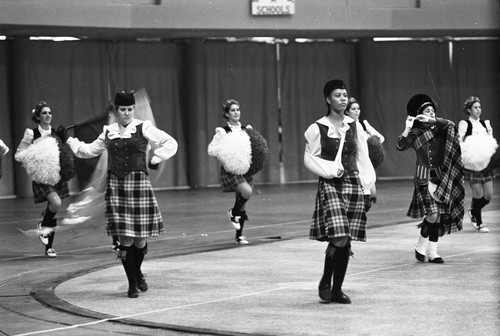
<point>340,297</point>
<point>420,257</point>
<point>437,260</point>
<point>324,292</point>
<point>141,283</point>
<point>132,293</point>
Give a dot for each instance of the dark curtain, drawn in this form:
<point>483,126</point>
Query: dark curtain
<point>7,162</point>
<point>216,71</point>
<point>305,70</point>
<point>476,69</point>
<point>392,72</point>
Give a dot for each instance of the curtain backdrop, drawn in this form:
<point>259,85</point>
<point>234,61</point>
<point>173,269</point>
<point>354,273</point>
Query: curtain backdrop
<point>187,81</point>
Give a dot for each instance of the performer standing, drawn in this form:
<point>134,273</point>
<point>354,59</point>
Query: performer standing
<point>231,144</point>
<point>336,151</point>
<point>132,210</point>
<point>439,183</point>
<point>478,145</point>
<point>42,153</point>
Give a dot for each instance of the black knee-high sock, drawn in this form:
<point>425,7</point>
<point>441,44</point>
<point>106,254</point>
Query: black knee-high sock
<point>243,218</point>
<point>47,218</point>
<point>140,253</point>
<point>51,240</point>
<point>238,204</point>
<point>340,262</point>
<point>425,228</point>
<point>326,279</point>
<point>127,256</point>
<point>434,232</point>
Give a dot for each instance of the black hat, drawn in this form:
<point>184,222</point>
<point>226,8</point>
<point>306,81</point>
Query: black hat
<point>418,103</point>
<point>124,98</point>
<point>332,85</point>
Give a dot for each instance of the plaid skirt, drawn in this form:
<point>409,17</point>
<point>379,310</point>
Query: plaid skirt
<point>229,181</point>
<point>423,204</point>
<point>41,191</point>
<point>131,206</point>
<point>482,176</point>
<point>339,210</point>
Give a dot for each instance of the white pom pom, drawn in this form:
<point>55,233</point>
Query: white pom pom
<point>235,153</point>
<point>41,160</point>
<point>477,151</point>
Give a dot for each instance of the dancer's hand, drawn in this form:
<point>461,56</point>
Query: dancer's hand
<point>409,122</point>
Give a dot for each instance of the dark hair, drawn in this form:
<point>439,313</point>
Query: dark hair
<point>227,105</point>
<point>35,113</point>
<point>469,102</point>
<point>350,102</point>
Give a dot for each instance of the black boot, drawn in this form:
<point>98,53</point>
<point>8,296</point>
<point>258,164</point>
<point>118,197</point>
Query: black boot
<point>127,255</point>
<point>340,262</point>
<point>325,284</point>
<point>142,285</point>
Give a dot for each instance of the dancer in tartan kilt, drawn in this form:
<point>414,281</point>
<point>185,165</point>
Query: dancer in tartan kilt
<point>132,210</point>
<point>48,161</point>
<point>439,183</point>
<point>342,200</point>
<point>242,152</point>
<point>478,147</point>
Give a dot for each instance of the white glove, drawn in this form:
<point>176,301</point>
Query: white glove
<point>409,121</point>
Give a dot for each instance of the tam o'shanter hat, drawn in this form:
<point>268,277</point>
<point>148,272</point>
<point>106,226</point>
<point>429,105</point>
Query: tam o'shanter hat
<point>333,85</point>
<point>418,103</point>
<point>124,98</point>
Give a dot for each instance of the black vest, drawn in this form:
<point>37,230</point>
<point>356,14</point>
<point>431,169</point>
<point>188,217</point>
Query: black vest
<point>330,146</point>
<point>127,155</point>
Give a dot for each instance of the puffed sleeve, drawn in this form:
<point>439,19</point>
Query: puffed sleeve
<point>25,142</point>
<point>88,150</point>
<point>164,144</point>
<point>489,129</point>
<point>462,129</point>
<point>372,131</point>
<point>214,145</point>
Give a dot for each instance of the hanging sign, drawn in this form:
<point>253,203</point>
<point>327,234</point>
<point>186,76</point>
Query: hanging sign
<point>273,7</point>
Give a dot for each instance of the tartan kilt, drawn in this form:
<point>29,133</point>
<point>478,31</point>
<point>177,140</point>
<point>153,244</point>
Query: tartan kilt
<point>41,191</point>
<point>131,206</point>
<point>339,210</point>
<point>229,181</point>
<point>422,204</point>
<point>482,176</point>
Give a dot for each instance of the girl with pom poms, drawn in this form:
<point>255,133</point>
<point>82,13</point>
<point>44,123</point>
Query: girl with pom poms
<point>48,161</point>
<point>478,146</point>
<point>132,211</point>
<point>242,152</point>
<point>337,152</point>
<point>439,183</point>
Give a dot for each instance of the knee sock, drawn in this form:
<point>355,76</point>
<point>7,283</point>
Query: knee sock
<point>434,232</point>
<point>140,253</point>
<point>48,217</point>
<point>340,262</point>
<point>51,240</point>
<point>425,228</point>
<point>243,218</point>
<point>326,279</point>
<point>127,256</point>
<point>238,204</point>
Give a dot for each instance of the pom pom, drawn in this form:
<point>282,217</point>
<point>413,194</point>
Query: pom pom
<point>375,151</point>
<point>41,160</point>
<point>260,151</point>
<point>477,151</point>
<point>235,153</point>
